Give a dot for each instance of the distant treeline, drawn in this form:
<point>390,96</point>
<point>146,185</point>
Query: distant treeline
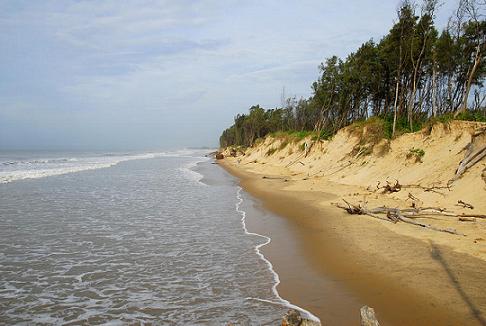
<point>413,73</point>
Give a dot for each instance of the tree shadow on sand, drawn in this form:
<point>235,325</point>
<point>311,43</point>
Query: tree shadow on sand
<point>437,255</point>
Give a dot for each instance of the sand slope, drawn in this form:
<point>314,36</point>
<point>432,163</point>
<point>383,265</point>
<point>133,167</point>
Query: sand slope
<point>339,262</point>
<point>350,166</point>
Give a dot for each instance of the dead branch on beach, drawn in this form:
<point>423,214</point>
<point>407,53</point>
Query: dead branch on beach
<point>274,178</point>
<point>389,188</point>
<point>467,219</point>
<point>408,215</point>
<point>428,188</point>
<point>464,204</point>
<point>414,199</point>
<point>397,186</point>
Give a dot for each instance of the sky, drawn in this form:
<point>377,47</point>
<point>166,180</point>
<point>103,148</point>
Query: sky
<point>147,75</point>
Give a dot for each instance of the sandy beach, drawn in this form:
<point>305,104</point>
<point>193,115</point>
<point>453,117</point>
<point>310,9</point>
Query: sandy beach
<point>332,263</point>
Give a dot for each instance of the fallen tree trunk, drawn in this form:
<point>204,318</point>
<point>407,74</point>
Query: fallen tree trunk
<point>469,161</point>
<point>393,215</point>
<point>476,151</point>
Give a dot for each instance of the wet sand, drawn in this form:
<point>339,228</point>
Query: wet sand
<point>331,263</point>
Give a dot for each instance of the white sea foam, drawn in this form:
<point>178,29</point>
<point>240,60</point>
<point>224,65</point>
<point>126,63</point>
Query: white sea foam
<point>186,153</point>
<point>190,174</point>
<point>39,168</point>
<point>281,301</point>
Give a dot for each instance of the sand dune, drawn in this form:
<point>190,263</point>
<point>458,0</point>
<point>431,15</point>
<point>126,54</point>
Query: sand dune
<point>408,273</point>
<point>355,176</point>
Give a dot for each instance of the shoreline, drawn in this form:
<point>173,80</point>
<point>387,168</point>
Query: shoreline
<point>406,280</point>
<point>258,251</point>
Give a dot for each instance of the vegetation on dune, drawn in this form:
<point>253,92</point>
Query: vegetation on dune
<point>413,76</point>
<point>416,153</point>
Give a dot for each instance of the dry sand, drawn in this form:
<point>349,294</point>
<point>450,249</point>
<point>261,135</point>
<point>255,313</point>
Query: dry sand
<point>337,262</point>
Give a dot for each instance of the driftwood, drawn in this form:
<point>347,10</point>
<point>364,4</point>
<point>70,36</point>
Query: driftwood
<point>472,215</point>
<point>368,317</point>
<point>464,204</point>
<point>412,197</point>
<point>467,219</point>
<point>429,188</point>
<point>476,151</point>
<point>469,161</point>
<point>423,212</point>
<point>273,178</point>
<point>391,188</point>
<point>395,215</point>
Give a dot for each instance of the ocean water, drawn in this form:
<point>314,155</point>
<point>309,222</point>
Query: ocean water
<point>129,239</point>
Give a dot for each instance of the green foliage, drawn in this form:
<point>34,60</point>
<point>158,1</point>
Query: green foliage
<point>477,115</point>
<point>402,125</point>
<point>324,135</point>
<point>299,135</point>
<point>369,131</point>
<point>416,153</point>
<point>292,135</point>
<point>470,115</point>
<point>390,86</point>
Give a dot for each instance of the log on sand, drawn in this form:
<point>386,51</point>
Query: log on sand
<point>395,215</point>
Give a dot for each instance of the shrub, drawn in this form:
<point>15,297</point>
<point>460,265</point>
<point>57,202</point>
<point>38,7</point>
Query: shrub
<point>375,130</point>
<point>469,115</point>
<point>325,135</point>
<point>416,153</point>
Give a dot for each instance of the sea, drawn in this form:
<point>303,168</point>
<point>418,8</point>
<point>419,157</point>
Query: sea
<point>130,238</point>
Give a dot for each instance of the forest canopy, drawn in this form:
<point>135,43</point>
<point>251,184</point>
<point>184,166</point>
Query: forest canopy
<point>414,73</point>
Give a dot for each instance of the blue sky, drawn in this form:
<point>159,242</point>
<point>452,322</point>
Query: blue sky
<point>120,75</point>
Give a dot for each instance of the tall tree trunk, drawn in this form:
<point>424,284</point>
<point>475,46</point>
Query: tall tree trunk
<point>477,61</point>
<point>434,89</point>
<point>411,103</point>
<point>395,107</point>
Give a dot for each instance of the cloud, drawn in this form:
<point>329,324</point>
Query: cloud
<point>164,67</point>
